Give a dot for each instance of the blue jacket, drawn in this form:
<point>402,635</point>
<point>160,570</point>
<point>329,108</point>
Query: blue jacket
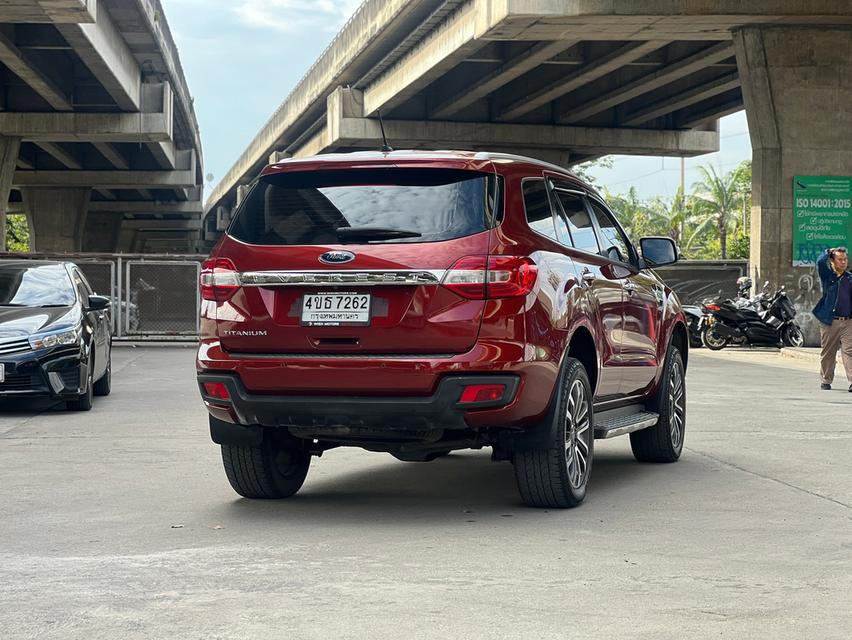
<point>824,311</point>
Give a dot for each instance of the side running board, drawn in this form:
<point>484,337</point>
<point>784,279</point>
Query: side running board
<point>618,426</point>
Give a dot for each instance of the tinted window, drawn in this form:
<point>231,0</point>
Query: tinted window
<point>351,207</point>
<point>35,286</point>
<point>579,222</point>
<point>537,205</point>
<point>614,244</point>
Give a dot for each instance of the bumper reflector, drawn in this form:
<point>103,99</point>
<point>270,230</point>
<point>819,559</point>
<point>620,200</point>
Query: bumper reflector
<point>217,390</point>
<point>482,393</point>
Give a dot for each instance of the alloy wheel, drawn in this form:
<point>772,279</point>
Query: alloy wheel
<point>578,435</point>
<point>677,405</point>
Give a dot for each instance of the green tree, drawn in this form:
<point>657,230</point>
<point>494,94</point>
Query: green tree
<point>718,203</point>
<point>17,233</point>
<point>633,214</point>
<point>582,170</point>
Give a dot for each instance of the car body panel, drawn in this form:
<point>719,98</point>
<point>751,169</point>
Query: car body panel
<point>528,336</point>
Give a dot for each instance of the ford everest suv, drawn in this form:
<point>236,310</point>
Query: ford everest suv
<point>417,303</point>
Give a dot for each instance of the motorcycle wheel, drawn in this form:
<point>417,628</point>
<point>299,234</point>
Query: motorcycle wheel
<point>792,336</point>
<point>712,340</point>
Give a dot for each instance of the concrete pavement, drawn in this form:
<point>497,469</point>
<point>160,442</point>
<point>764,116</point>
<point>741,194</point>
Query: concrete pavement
<point>119,523</point>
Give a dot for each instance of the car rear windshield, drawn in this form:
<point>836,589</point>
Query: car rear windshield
<point>366,206</point>
<point>35,286</point>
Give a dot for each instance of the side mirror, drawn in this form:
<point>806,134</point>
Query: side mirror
<point>658,252</point>
<point>98,303</point>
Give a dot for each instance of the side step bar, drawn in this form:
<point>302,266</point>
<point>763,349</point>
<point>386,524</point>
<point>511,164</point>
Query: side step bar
<point>618,426</point>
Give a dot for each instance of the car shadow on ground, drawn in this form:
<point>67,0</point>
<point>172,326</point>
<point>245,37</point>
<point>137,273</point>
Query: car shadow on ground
<point>22,408</point>
<point>462,483</point>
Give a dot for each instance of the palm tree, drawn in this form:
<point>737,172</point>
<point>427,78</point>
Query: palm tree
<point>633,214</point>
<point>718,202</point>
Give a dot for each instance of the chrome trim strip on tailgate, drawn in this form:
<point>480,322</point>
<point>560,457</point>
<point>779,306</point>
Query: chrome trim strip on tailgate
<point>325,278</point>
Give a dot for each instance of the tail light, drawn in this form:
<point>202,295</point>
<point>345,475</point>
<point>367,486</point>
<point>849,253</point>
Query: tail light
<point>481,277</point>
<point>712,307</point>
<point>219,279</point>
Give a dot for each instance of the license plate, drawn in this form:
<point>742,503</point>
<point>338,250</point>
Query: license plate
<point>336,310</point>
<point>2,372</point>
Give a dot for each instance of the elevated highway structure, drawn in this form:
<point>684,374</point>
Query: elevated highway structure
<point>570,80</point>
<point>99,144</point>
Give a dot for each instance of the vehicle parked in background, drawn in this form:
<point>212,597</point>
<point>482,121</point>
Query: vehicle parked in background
<point>54,334</point>
<point>421,302</point>
<point>696,319</point>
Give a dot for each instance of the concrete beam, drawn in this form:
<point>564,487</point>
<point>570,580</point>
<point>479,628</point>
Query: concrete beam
<point>690,118</point>
<point>446,45</point>
<point>106,179</point>
<point>19,63</point>
<point>682,100</point>
<point>364,132</point>
<point>510,70</point>
<point>161,225</point>
<point>49,11</point>
<point>583,76</point>
<point>646,83</point>
<point>112,155</point>
<point>87,127</point>
<point>191,207</point>
<point>103,49</point>
<point>63,156</point>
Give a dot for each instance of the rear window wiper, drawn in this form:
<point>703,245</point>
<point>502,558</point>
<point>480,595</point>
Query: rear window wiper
<point>374,233</point>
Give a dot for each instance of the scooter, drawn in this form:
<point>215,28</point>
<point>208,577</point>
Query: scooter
<point>733,325</point>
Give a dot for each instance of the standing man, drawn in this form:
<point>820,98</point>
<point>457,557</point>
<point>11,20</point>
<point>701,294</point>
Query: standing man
<point>834,311</point>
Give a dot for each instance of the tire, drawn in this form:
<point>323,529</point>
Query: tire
<point>557,476</point>
<point>276,468</point>
<point>84,401</point>
<point>104,385</point>
<point>712,340</point>
<point>664,441</point>
<point>792,336</point>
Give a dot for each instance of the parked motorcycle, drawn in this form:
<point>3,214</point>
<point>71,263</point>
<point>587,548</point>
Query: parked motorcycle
<point>696,319</point>
<point>733,324</point>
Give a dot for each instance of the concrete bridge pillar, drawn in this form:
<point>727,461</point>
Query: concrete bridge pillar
<point>101,232</point>
<point>57,218</point>
<point>9,148</point>
<point>798,98</point>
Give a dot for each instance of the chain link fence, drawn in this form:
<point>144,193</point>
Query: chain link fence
<point>154,297</point>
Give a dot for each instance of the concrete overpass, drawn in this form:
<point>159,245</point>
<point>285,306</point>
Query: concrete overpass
<point>569,80</point>
<point>99,144</point>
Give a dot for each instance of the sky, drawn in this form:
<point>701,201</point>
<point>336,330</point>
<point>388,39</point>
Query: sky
<point>242,58</point>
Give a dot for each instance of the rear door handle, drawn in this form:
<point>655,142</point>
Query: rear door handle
<point>588,276</point>
<point>630,288</point>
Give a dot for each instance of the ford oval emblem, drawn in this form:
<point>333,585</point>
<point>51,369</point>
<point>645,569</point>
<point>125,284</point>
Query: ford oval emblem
<point>337,257</point>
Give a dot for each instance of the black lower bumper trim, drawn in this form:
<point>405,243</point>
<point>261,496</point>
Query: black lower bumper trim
<point>440,410</point>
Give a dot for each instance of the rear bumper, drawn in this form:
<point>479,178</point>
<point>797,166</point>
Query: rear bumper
<point>349,414</point>
<point>387,392</point>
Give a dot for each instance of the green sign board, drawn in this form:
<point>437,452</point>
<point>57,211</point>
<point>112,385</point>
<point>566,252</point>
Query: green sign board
<point>822,216</point>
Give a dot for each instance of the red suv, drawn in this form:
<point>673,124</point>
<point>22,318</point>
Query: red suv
<point>420,302</point>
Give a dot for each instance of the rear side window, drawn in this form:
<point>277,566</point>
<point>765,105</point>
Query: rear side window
<point>537,205</point>
<point>361,206</point>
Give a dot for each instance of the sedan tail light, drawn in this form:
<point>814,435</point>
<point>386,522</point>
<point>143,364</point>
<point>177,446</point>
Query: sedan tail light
<point>219,279</point>
<point>482,277</point>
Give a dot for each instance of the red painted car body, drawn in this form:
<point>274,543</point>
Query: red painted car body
<point>354,384</point>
